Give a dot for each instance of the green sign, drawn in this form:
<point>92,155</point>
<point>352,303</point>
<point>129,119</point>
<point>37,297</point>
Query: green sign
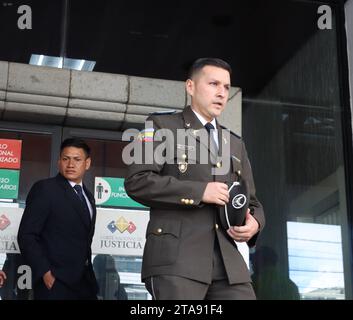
<point>111,192</point>
<point>9,183</point>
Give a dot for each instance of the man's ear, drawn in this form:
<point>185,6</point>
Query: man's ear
<point>88,163</point>
<point>189,85</point>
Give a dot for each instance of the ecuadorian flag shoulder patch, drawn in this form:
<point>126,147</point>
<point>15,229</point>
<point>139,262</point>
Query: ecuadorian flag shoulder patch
<point>146,135</point>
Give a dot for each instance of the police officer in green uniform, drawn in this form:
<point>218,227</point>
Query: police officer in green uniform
<point>188,255</point>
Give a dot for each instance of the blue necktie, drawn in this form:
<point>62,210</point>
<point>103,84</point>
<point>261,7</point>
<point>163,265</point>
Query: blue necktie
<point>78,189</point>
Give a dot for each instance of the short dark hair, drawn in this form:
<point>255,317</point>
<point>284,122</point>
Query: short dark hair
<point>77,143</point>
<point>203,62</point>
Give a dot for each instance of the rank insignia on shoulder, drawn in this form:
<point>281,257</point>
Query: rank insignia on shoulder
<point>231,132</point>
<point>146,135</point>
<point>162,112</point>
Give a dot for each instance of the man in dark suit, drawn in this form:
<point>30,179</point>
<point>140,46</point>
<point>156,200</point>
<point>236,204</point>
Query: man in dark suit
<point>57,228</point>
<point>188,255</point>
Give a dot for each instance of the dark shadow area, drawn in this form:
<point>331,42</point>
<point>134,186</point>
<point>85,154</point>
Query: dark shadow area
<point>270,282</point>
<point>160,39</point>
<point>108,278</point>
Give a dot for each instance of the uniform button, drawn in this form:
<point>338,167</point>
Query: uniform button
<point>191,201</point>
<point>216,225</point>
<point>182,200</point>
<point>187,201</point>
<point>219,164</point>
<point>159,230</point>
<point>184,156</point>
<point>239,172</point>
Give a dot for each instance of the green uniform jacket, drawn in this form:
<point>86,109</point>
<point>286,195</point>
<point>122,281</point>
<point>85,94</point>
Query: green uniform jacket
<point>182,229</point>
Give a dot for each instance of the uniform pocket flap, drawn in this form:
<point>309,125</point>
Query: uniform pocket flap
<point>161,227</point>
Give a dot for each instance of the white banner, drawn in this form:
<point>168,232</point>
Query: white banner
<point>10,219</point>
<point>120,232</point>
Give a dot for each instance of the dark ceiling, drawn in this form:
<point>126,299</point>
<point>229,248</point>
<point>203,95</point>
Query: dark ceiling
<point>161,38</point>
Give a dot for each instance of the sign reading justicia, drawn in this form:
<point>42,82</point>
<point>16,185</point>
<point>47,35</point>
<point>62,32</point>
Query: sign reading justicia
<point>120,231</point>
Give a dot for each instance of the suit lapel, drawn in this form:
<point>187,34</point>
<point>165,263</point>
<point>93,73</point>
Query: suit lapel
<point>93,205</point>
<point>71,196</point>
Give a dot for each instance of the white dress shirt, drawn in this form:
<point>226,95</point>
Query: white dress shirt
<point>213,122</point>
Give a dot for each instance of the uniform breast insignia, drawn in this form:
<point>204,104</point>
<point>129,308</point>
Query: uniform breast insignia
<point>146,135</point>
<point>183,166</point>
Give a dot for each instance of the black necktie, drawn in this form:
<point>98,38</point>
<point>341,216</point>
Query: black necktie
<point>213,145</point>
<point>78,189</point>
<point>209,126</point>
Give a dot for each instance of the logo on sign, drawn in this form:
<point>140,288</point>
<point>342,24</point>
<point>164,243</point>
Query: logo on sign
<point>121,225</point>
<point>4,222</point>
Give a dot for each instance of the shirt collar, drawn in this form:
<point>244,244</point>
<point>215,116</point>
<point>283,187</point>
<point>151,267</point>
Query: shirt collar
<point>72,184</point>
<point>202,119</point>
